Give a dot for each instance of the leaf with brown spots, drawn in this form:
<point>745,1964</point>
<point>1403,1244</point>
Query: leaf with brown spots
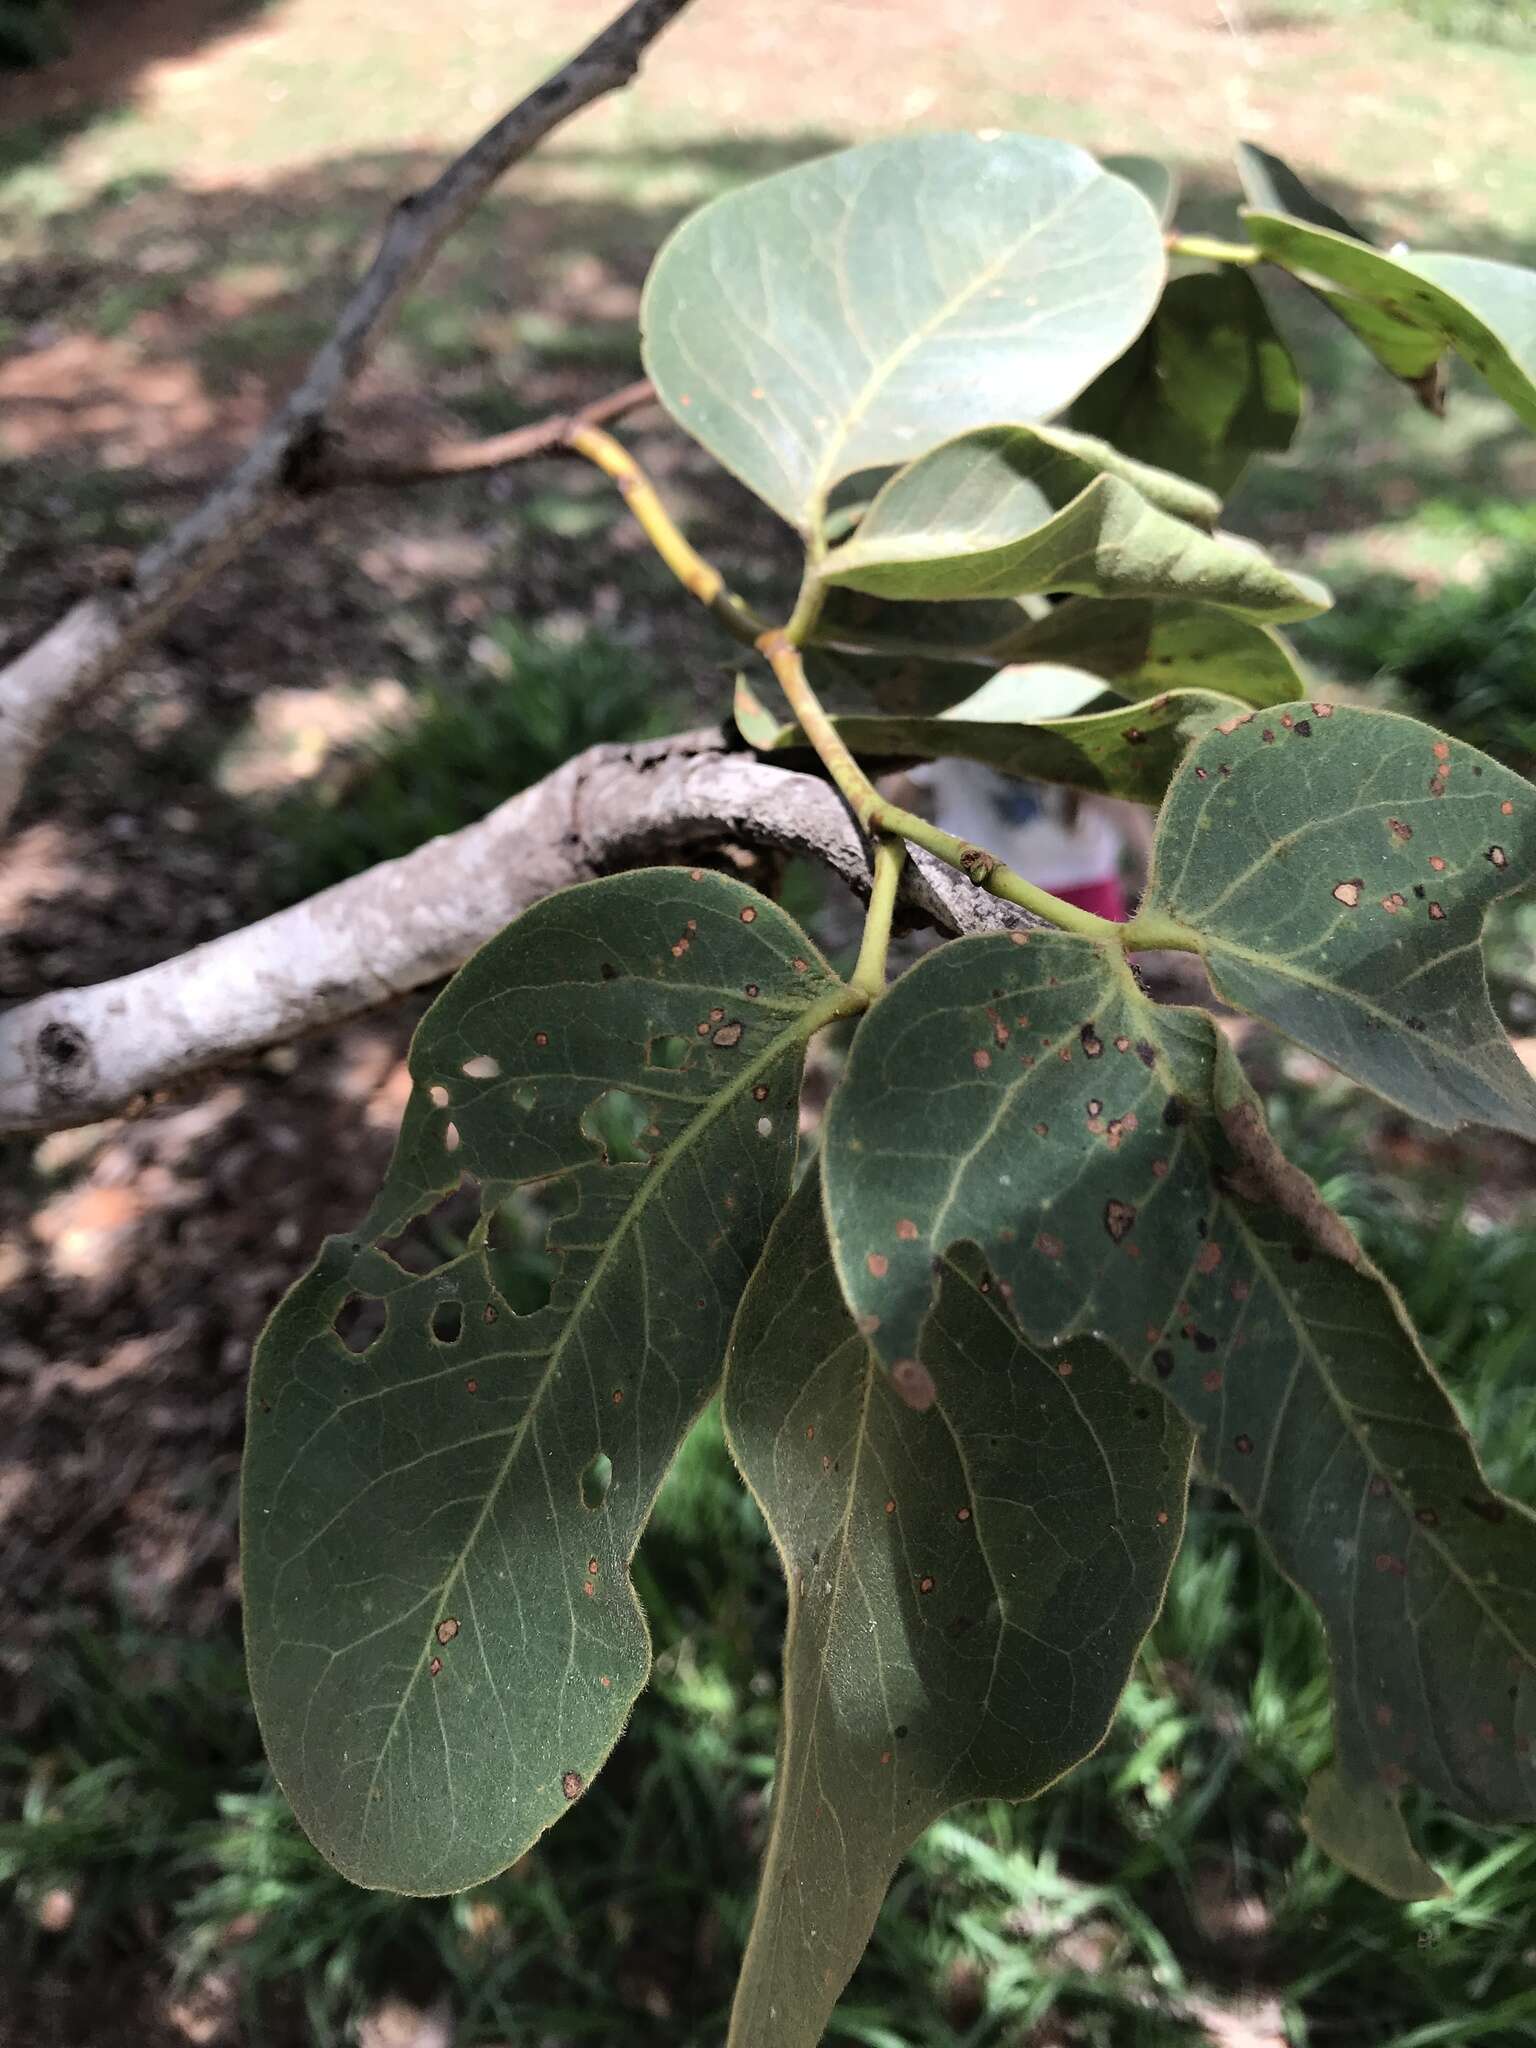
<point>443,1637</point>
<point>1215,1269</point>
<point>969,1585</point>
<point>1300,875</point>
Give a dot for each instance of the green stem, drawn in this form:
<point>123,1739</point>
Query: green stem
<point>878,817</point>
<point>1144,934</point>
<point>699,578</point>
<point>1213,250</point>
<point>869,970</point>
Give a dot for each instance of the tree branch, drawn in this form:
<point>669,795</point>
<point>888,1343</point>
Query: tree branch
<point>86,1053</point>
<point>335,470</point>
<point>98,635</point>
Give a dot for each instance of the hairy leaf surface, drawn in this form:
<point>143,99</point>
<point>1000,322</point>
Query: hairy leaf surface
<point>1336,866</point>
<point>968,1587</point>
<point>1020,1094</point>
<point>988,516</point>
<point>444,1641</point>
<point>852,312</point>
<point>1208,383</point>
<point>1130,751</point>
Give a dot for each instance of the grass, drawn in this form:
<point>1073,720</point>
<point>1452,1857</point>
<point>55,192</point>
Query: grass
<point>1105,1909</point>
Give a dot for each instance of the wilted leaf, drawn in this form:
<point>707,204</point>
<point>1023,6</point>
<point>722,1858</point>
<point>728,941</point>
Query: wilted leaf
<point>978,518</point>
<point>1141,648</point>
<point>1209,383</point>
<point>1020,1094</point>
<point>1484,310</point>
<point>1130,751</point>
<point>852,312</point>
<point>1336,865</point>
<point>968,1588</point>
<point>444,1641</point>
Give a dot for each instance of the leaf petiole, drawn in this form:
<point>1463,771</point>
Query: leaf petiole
<point>869,969</point>
<point>1211,249</point>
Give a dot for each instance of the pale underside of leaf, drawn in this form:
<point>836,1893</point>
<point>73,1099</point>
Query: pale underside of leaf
<point>849,313</point>
<point>1108,1162</point>
<point>1142,648</point>
<point>968,1588</point>
<point>1336,866</point>
<point>443,1637</point>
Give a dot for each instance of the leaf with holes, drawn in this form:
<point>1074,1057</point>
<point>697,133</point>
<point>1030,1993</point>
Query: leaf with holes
<point>1484,310</point>
<point>1402,346</point>
<point>444,1641</point>
<point>990,515</point>
<point>850,313</point>
<point>968,1587</point>
<point>1104,1154</point>
<point>1334,868</point>
<point>1207,385</point>
<point>1142,647</point>
<point>1131,751</point>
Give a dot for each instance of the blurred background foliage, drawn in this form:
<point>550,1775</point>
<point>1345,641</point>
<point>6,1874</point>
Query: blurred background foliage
<point>183,194</point>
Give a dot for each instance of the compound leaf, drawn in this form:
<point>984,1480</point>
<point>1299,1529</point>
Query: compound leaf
<point>1131,751</point>
<point>1207,384</point>
<point>1142,647</point>
<point>1335,869</point>
<point>968,1587</point>
<point>990,515</point>
<point>1104,1155</point>
<point>850,313</point>
<point>444,1642</point>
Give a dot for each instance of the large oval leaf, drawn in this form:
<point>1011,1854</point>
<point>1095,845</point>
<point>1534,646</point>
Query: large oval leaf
<point>968,1588</point>
<point>849,313</point>
<point>979,518</point>
<point>1208,384</point>
<point>444,1641</point>
<point>1021,1095</point>
<point>1143,647</point>
<point>1335,869</point>
<point>1127,752</point>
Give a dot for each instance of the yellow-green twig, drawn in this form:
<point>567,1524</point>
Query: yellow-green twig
<point>869,970</point>
<point>1212,250</point>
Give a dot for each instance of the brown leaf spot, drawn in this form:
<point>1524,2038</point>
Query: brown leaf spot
<point>810,1432</point>
<point>606,1684</point>
<point>885,1756</point>
<point>1161,1518</point>
<point>541,1038</point>
<point>1268,736</point>
<point>1231,724</point>
<point>1095,1107</point>
<point>868,1324</point>
<point>1208,1258</point>
<point>1497,857</point>
<point>1442,750</point>
<point>1383,1717</point>
<point>878,1264</point>
<point>1486,1730</point>
<point>962,1514</point>
<point>906,1229</point>
<point>571,1784</point>
<point>729,1034</point>
<point>1090,1041</point>
<point>715,1016</point>
<point>1243,1445</point>
<point>1348,893</point>
<point>1145,1052</point>
<point>748,914</point>
<point>1437,863</point>
<point>1437,913</point>
<point>1240,1290</point>
<point>471,1386</point>
<point>1393,903</point>
<point>589,1587</point>
<point>1303,728</point>
<point>1042,1130</point>
<point>446,1629</point>
<point>1202,775</point>
<point>1211,1381</point>
<point>981,1061</point>
<point>1506,808</point>
<point>1134,736</point>
<point>925,1584</point>
<point>1163,1364</point>
<point>751,989</point>
<point>914,1385</point>
<point>1119,1218</point>
<point>1064,1370</point>
<point>435,1666</point>
<point>1051,1247</point>
<point>890,1507</point>
<point>617,1397</point>
<point>798,964</point>
<point>1426,1517</point>
<point>1322,710</point>
<point>1399,830</point>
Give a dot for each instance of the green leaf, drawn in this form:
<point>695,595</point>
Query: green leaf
<point>1209,383</point>
<point>1141,647</point>
<point>1335,869</point>
<point>852,312</point>
<point>968,1588</point>
<point>444,1642</point>
<point>1104,1155</point>
<point>912,659</point>
<point>1486,311</point>
<point>979,517</point>
<point>1127,752</point>
<point>1157,182</point>
<point>1405,348</point>
<point>1361,1827</point>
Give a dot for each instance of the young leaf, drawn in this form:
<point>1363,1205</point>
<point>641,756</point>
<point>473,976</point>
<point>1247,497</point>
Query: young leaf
<point>968,1588</point>
<point>852,312</point>
<point>444,1641</point>
<point>1142,647</point>
<point>1486,311</point>
<point>978,518</point>
<point>1403,347</point>
<point>1127,752</point>
<point>1104,1155</point>
<point>1335,869</point>
<point>1209,383</point>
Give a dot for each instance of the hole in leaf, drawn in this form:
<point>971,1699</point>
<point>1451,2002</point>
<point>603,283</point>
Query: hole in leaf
<point>525,1097</point>
<point>451,1137</point>
<point>483,1067</point>
<point>448,1322</point>
<point>358,1321</point>
<point>439,1095</point>
<point>520,1268</point>
<point>596,1480</point>
<point>616,1122</point>
<point>670,1052</point>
